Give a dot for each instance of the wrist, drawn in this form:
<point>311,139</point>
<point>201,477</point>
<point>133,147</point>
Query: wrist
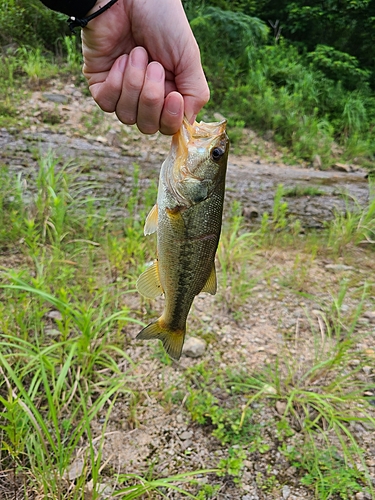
<point>96,6</point>
<point>75,22</point>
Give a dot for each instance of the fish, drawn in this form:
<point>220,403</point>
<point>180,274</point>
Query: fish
<point>187,218</point>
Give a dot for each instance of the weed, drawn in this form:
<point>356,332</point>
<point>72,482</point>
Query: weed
<point>233,464</point>
<point>143,486</point>
<point>301,190</point>
<point>236,248</point>
<point>353,227</point>
<point>74,53</point>
<point>35,65</point>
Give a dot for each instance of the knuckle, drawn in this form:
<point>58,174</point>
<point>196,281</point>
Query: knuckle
<point>151,99</point>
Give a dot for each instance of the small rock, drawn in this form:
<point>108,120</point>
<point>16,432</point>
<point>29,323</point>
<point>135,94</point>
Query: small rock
<point>52,332</point>
<point>286,491</point>
<point>354,362</point>
<point>248,464</point>
<point>194,347</point>
<point>206,319</point>
<point>101,139</point>
<point>186,435</point>
<point>75,469</point>
<point>291,471</point>
<point>104,490</point>
<point>338,267</point>
<point>186,444</point>
<point>56,315</point>
<point>317,162</point>
<point>341,167</point>
<point>269,389</point>
<point>280,407</point>
<point>370,315</point>
<point>250,212</point>
<point>359,496</point>
<point>59,98</point>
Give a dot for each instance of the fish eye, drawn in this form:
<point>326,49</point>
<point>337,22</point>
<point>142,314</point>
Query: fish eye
<point>217,153</point>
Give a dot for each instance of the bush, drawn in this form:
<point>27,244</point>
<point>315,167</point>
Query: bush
<point>29,22</point>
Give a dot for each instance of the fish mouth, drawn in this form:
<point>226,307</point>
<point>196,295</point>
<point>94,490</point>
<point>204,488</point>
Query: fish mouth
<point>201,130</point>
<point>199,135</point>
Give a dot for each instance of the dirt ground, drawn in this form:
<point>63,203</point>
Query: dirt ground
<point>163,434</point>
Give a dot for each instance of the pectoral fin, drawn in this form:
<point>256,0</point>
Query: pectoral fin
<point>148,284</point>
<point>151,224</point>
<point>211,283</point>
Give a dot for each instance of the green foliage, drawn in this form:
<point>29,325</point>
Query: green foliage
<point>227,60</point>
<point>329,474</point>
<point>237,246</point>
<point>233,464</point>
<point>143,486</point>
<point>339,66</point>
<point>355,226</point>
<point>28,22</point>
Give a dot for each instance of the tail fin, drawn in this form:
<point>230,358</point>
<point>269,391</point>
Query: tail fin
<point>173,340</point>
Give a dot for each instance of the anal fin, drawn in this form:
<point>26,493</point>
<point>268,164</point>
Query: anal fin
<point>211,283</point>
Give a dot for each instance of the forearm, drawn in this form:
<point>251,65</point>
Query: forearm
<point>70,7</point>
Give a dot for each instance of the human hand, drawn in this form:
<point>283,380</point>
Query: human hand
<point>141,60</point>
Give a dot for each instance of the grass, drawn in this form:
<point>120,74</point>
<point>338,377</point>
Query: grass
<point>69,363</point>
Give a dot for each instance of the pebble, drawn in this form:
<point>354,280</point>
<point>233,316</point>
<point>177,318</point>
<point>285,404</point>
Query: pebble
<point>286,491</point>
<point>339,267</point>
<point>186,435</point>
<point>250,212</point>
<point>342,167</point>
<point>58,98</point>
<point>194,347</point>
<point>56,315</point>
<point>370,315</point>
<point>75,469</point>
<point>280,407</point>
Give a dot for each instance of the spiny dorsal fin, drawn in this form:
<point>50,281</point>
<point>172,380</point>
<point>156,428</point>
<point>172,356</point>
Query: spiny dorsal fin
<point>211,283</point>
<point>148,284</point>
<point>151,224</point>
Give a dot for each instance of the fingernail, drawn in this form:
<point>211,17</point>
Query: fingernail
<point>121,62</point>
<point>155,72</point>
<point>138,58</point>
<point>174,107</point>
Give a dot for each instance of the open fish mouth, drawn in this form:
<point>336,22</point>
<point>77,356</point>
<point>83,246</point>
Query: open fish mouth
<point>189,137</point>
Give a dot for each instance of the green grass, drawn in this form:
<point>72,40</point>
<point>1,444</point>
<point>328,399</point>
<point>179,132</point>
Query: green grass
<point>300,190</point>
<point>65,364</point>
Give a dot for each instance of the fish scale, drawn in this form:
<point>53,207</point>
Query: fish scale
<point>187,218</point>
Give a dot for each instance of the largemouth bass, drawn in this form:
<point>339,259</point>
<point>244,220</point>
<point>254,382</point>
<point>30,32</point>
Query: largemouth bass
<point>187,218</point>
